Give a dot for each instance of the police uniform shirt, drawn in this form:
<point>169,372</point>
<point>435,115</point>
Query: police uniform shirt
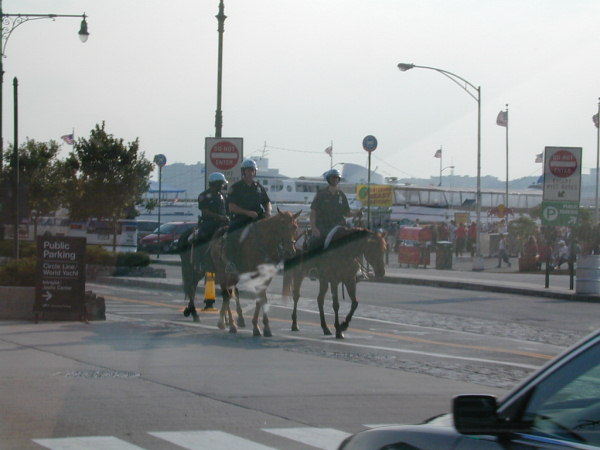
<point>330,209</point>
<point>214,202</point>
<point>252,197</point>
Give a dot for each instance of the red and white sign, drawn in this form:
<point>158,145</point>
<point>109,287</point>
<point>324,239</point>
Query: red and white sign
<point>562,174</point>
<point>224,155</point>
<point>562,164</point>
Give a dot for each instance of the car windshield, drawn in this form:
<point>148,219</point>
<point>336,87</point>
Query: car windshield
<point>274,224</point>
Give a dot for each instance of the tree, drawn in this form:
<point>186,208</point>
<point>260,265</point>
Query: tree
<point>40,178</point>
<point>107,178</point>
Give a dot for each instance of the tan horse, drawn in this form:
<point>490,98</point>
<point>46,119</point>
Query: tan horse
<point>338,263</point>
<point>263,244</point>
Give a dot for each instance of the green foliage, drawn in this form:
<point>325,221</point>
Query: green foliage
<point>19,272</point>
<point>96,254</point>
<point>521,228</point>
<point>26,248</point>
<point>137,259</point>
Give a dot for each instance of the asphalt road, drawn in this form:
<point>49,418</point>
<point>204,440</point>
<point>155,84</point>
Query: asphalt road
<point>149,378</point>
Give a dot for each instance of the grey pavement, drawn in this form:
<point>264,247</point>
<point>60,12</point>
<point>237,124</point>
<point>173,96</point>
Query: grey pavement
<point>461,276</point>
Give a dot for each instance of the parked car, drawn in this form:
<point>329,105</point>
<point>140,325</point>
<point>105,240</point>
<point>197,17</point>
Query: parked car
<point>169,234</point>
<point>557,407</point>
<point>144,228</point>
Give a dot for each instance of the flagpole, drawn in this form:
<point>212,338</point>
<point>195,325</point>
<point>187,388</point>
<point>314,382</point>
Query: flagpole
<point>506,197</point>
<point>441,155</point>
<point>597,161</point>
<point>331,157</point>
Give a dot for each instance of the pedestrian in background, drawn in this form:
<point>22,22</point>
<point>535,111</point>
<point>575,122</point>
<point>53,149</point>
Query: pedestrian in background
<point>502,251</point>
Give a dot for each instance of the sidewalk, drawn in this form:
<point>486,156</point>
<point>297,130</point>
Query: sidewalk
<point>461,276</point>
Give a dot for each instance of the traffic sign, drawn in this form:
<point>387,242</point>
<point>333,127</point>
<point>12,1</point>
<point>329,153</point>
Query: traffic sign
<point>160,160</point>
<point>224,155</point>
<point>562,174</point>
<point>369,143</point>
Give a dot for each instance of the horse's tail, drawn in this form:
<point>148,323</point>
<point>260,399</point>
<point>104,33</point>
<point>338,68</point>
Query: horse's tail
<point>288,278</point>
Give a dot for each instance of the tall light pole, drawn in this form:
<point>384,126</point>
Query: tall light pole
<point>475,93</point>
<point>219,114</point>
<point>441,170</point>
<point>8,23</point>
<point>596,212</point>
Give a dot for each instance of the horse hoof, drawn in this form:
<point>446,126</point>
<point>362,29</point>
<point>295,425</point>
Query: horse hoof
<point>267,333</point>
<point>326,331</point>
<point>339,335</point>
<point>196,318</point>
<point>187,311</point>
<point>241,322</point>
<point>233,330</point>
<point>344,326</point>
<point>220,325</point>
<point>295,327</point>
<point>256,333</point>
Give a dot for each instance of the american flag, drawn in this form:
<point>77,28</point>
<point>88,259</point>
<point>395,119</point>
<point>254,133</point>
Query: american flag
<point>502,119</point>
<point>329,150</point>
<point>595,119</point>
<point>69,138</point>
<point>539,158</point>
<point>438,153</point>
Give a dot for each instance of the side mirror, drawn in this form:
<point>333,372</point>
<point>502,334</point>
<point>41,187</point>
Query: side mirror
<point>475,414</point>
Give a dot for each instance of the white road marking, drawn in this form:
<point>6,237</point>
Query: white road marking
<point>324,438</point>
<point>86,443</point>
<point>208,440</point>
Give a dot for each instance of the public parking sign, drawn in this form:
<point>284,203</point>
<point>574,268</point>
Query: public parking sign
<point>562,186</point>
<point>60,277</point>
<point>224,155</point>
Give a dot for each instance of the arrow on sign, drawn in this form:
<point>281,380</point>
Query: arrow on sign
<point>47,296</point>
<point>572,220</point>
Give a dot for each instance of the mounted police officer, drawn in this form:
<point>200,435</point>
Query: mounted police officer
<point>328,209</point>
<point>211,203</point>
<point>248,202</point>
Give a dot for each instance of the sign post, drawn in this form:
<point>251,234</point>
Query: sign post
<point>224,155</point>
<point>562,186</point>
<point>60,275</point>
<point>369,145</point>
<point>160,160</point>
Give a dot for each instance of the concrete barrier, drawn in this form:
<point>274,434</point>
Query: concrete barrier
<point>16,303</point>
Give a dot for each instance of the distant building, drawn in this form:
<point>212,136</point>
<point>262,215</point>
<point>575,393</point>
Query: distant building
<point>188,178</point>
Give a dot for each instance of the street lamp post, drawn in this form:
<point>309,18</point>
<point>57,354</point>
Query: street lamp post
<point>475,93</point>
<point>8,23</point>
<point>219,113</point>
<point>441,170</point>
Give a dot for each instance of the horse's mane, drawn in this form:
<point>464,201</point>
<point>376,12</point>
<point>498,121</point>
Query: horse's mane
<point>345,236</point>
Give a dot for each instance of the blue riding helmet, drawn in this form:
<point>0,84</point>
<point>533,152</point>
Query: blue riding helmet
<point>217,177</point>
<point>248,164</point>
<point>332,173</point>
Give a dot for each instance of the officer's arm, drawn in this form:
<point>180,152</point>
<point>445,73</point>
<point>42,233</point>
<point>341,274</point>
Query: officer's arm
<point>268,209</point>
<point>313,223</point>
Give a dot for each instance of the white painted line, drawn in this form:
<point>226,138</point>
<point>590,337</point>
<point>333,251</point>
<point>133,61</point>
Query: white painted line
<point>86,443</point>
<point>324,438</point>
<point>208,440</point>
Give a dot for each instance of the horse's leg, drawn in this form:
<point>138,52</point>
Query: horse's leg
<point>336,309</point>
<point>188,278</point>
<point>265,301</point>
<point>255,328</point>
<point>232,327</point>
<point>240,314</point>
<point>296,283</point>
<point>224,307</point>
<point>323,284</point>
<point>351,288</point>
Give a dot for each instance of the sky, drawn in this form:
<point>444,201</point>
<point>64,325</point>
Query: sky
<point>299,76</point>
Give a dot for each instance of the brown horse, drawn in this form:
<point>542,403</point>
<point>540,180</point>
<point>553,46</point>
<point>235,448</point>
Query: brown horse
<point>338,263</point>
<point>263,245</point>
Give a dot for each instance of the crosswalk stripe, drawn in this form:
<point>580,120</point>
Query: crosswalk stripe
<point>86,443</point>
<point>323,438</point>
<point>208,440</point>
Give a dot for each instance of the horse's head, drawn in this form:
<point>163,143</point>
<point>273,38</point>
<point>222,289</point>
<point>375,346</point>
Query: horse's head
<point>282,230</point>
<point>374,252</point>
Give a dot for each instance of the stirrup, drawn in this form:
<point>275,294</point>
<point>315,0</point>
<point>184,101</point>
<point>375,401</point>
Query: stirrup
<point>313,274</point>
<point>230,267</point>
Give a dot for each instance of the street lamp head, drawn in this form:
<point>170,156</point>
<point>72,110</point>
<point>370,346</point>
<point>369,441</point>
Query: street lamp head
<point>404,67</point>
<point>83,31</point>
